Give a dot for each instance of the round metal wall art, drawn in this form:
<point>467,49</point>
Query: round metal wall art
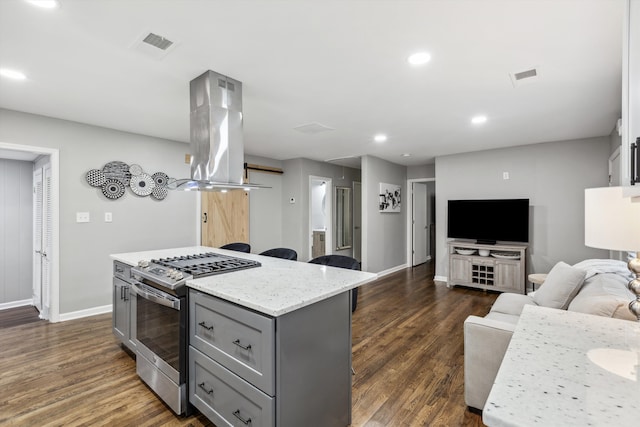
<point>159,193</point>
<point>113,189</point>
<point>116,176</point>
<point>96,178</point>
<point>142,184</point>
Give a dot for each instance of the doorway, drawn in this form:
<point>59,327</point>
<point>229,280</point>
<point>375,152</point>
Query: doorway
<point>320,218</point>
<point>421,221</point>
<point>357,220</point>
<point>45,281</point>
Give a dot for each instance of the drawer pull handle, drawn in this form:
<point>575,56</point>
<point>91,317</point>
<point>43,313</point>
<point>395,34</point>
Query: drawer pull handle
<point>202,386</point>
<point>237,342</point>
<point>204,325</point>
<point>237,415</point>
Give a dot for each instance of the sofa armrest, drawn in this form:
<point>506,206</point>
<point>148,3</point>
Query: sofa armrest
<point>485,343</point>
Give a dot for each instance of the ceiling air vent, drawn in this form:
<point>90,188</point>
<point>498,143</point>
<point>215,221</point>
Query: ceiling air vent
<point>153,45</point>
<point>525,77</point>
<point>157,41</point>
<point>313,128</point>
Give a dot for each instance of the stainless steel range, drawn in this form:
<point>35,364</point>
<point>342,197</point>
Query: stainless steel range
<point>160,321</point>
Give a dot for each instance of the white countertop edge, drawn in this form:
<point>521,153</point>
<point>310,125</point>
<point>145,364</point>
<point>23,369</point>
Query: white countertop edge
<point>276,312</point>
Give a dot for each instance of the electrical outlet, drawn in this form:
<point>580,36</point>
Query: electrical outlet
<point>83,217</point>
<point>505,175</point>
<point>108,217</point>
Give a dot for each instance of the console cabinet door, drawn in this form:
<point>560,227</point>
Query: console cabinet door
<point>509,275</point>
<point>460,269</point>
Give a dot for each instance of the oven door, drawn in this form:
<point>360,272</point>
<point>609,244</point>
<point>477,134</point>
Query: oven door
<point>157,329</point>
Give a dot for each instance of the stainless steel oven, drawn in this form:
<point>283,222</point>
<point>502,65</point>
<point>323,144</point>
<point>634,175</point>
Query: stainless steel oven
<point>160,319</point>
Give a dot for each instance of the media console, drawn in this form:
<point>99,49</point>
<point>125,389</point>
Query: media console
<point>502,268</point>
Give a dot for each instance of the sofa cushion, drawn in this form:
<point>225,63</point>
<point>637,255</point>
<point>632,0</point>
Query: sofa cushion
<point>509,303</point>
<point>502,317</point>
<point>562,283</point>
<point>604,295</point>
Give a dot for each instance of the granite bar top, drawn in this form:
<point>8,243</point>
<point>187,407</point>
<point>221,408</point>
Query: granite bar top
<point>276,288</point>
<point>564,368</point>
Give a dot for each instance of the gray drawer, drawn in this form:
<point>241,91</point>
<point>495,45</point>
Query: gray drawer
<point>240,340</point>
<point>224,398</point>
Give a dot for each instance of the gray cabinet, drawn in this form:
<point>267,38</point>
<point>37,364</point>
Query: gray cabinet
<point>502,268</point>
<point>630,157</point>
<point>290,370</point>
<point>122,305</point>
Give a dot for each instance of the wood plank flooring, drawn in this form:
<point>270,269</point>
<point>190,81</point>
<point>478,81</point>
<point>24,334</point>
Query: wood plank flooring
<point>407,354</point>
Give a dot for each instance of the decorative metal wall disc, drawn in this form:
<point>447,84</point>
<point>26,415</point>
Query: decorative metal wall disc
<point>96,178</point>
<point>142,185</point>
<point>136,170</point>
<point>118,171</point>
<point>159,193</point>
<point>160,178</point>
<point>113,189</point>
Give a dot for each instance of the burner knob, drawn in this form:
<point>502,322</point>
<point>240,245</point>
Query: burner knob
<point>178,276</point>
<point>143,263</point>
<point>171,272</point>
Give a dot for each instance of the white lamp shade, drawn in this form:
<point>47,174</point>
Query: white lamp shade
<point>611,221</point>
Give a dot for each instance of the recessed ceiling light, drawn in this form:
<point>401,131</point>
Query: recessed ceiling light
<point>45,4</point>
<point>12,74</point>
<point>380,137</point>
<point>477,120</point>
<point>406,154</point>
<point>419,58</point>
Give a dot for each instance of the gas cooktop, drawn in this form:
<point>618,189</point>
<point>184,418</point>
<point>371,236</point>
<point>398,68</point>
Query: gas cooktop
<point>174,272</point>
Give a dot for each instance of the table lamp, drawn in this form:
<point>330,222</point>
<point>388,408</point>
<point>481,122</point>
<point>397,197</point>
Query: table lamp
<point>612,221</point>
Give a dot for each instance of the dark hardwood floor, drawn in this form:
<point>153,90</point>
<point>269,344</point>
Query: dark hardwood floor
<point>407,355</point>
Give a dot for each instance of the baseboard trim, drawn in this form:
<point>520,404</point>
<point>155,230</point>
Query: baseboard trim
<point>440,279</point>
<point>14,304</point>
<point>85,313</point>
<point>392,270</point>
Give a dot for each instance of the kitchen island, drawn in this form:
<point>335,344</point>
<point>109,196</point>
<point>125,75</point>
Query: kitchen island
<point>269,345</point>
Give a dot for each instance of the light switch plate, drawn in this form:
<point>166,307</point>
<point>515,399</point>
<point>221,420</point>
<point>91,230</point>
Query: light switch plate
<point>108,217</point>
<point>83,217</point>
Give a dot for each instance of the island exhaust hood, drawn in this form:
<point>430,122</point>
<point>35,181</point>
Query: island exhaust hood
<point>217,147</point>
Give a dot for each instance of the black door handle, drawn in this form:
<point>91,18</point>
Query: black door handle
<point>635,162</point>
<point>204,217</point>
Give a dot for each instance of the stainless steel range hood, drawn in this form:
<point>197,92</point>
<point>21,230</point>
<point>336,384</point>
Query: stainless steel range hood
<point>217,147</point>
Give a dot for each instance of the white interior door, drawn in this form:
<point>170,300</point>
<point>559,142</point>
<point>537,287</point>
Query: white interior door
<point>38,189</point>
<point>47,242</point>
<point>357,221</point>
<point>42,240</point>
<point>419,222</point>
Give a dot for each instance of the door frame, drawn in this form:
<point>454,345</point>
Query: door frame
<point>409,226</point>
<point>54,156</point>
<point>328,208</point>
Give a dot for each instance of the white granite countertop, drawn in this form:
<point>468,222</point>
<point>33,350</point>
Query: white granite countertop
<point>276,288</point>
<point>567,369</point>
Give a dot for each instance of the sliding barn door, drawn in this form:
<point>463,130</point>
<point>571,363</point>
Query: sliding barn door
<point>225,218</point>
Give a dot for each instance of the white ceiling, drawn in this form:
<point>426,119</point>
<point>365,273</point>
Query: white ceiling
<point>340,63</point>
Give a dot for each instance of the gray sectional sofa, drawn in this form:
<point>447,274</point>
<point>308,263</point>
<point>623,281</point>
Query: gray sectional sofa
<point>597,287</point>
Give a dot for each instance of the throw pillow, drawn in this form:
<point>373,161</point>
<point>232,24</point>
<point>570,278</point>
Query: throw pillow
<point>562,284</point>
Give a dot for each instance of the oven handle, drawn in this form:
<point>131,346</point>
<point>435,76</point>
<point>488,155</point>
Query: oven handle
<point>171,303</point>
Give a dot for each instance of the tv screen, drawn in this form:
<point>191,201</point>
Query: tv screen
<point>490,220</point>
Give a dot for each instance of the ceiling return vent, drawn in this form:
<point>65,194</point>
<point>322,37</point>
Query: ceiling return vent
<point>528,76</point>
<point>153,45</point>
<point>157,41</point>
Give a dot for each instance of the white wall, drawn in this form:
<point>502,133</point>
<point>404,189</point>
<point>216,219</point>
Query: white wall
<point>384,239</point>
<point>265,206</point>
<point>16,231</point>
<point>139,223</point>
<point>551,175</point>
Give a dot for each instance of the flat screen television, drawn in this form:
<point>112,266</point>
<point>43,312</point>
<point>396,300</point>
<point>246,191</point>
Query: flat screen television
<point>489,220</point>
